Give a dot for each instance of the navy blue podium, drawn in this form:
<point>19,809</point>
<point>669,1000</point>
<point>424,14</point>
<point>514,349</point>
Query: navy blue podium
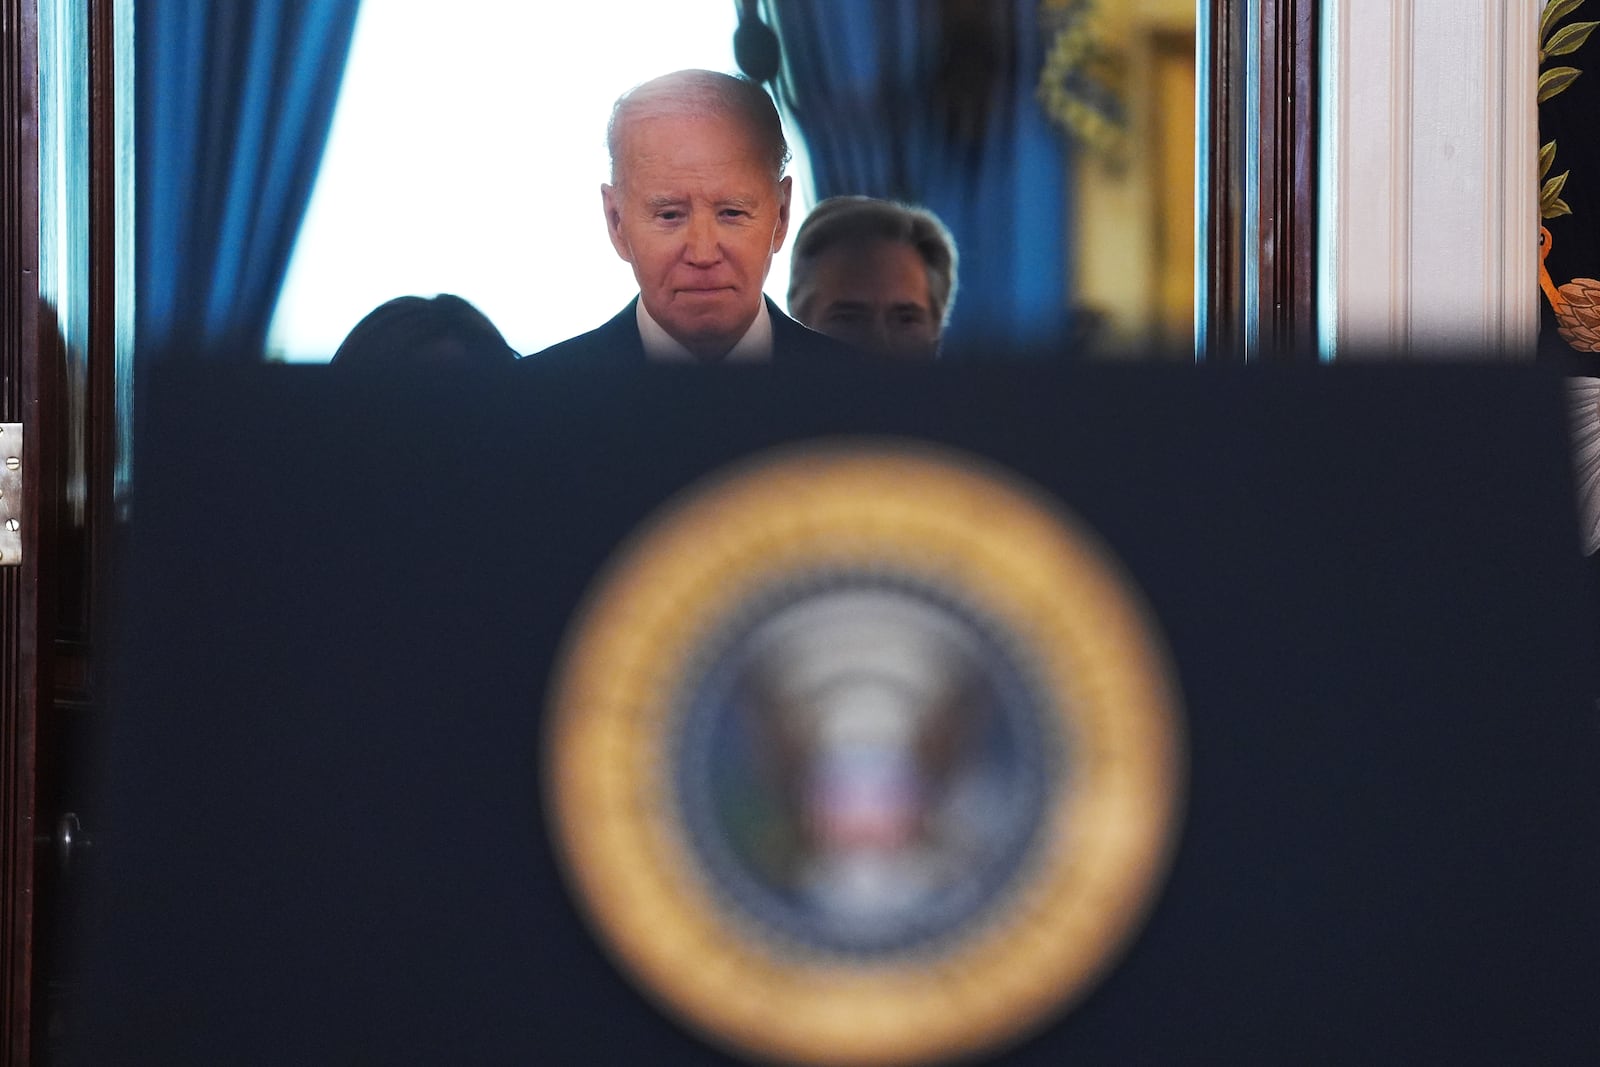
<point>319,835</point>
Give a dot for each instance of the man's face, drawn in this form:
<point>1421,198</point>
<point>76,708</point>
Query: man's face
<point>698,214</point>
<point>874,296</point>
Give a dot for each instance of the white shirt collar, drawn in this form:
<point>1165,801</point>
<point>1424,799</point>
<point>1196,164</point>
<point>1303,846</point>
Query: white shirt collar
<point>661,347</point>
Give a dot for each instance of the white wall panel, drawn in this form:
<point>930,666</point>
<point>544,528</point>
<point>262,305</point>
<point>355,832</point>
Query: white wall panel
<point>1429,185</point>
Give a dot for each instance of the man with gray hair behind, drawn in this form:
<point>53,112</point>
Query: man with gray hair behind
<point>697,205</point>
<point>877,274</point>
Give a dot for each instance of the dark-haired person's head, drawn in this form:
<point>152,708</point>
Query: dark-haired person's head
<point>878,274</point>
<point>698,203</point>
<point>416,332</point>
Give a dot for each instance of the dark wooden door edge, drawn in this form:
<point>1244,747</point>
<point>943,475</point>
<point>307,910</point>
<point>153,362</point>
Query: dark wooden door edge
<point>1256,271</point>
<point>22,679</point>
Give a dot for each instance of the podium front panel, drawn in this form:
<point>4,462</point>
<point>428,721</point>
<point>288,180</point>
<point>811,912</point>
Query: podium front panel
<point>321,833</point>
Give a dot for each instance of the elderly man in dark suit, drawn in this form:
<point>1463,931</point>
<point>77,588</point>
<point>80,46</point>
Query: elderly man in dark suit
<point>697,204</point>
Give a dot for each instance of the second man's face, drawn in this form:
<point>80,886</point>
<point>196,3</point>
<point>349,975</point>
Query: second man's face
<point>873,295</point>
<point>697,213</point>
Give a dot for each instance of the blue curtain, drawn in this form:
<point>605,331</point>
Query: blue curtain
<point>935,103</point>
<point>234,101</point>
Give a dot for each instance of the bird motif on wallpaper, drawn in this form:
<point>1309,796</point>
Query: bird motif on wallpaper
<point>1576,303</point>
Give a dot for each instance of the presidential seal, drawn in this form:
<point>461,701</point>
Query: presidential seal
<point>864,753</point>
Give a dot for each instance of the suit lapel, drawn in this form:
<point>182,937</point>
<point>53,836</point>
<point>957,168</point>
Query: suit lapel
<point>622,335</point>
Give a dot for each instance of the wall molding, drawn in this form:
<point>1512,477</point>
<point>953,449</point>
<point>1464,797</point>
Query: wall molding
<point>1429,199</point>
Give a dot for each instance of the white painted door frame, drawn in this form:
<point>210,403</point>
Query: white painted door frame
<point>1428,208</point>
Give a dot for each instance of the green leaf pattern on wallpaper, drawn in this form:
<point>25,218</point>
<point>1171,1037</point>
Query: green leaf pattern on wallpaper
<point>1576,303</point>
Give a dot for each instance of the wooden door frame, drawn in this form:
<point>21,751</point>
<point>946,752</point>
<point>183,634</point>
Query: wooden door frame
<point>1256,249</point>
<point>1255,294</point>
<point>50,605</point>
<point>24,678</point>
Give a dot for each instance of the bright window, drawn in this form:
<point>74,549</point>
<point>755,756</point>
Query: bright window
<point>466,157</point>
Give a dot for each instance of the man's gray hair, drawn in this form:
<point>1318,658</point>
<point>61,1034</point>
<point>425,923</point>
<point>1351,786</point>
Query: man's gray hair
<point>857,220</point>
<point>703,93</point>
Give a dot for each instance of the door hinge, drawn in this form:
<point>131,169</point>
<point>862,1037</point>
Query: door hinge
<point>11,517</point>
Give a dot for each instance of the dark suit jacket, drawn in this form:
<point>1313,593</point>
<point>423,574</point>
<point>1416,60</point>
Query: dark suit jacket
<point>618,344</point>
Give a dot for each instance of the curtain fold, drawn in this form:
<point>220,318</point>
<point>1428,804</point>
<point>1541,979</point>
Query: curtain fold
<point>935,103</point>
<point>233,106</point>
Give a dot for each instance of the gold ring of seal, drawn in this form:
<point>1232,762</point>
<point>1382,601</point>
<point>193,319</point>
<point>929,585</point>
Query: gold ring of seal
<point>946,519</point>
